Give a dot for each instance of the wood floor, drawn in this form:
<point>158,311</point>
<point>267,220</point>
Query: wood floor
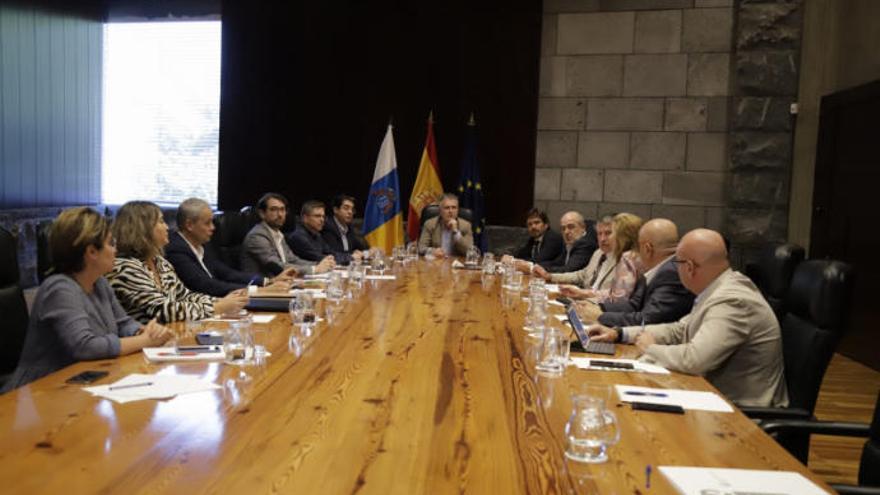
<point>848,393</point>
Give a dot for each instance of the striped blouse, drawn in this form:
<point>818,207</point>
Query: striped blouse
<point>141,298</point>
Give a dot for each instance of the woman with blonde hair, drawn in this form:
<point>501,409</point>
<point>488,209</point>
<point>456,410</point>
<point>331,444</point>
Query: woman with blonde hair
<point>75,316</point>
<point>625,241</point>
<point>146,283</point>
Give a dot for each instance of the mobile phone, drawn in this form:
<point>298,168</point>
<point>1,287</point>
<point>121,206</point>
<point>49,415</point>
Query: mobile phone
<point>564,300</point>
<point>87,376</point>
<point>611,364</point>
<point>209,339</point>
<point>666,408</point>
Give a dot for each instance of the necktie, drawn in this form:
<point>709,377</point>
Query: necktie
<point>536,247</point>
<point>598,267</point>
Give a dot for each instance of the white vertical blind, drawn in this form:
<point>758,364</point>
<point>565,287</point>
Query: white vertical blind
<point>161,111</point>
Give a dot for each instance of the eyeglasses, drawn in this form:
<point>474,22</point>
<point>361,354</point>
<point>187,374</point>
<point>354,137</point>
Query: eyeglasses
<point>679,261</point>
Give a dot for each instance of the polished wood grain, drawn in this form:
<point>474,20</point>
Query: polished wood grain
<point>848,393</point>
<point>425,384</point>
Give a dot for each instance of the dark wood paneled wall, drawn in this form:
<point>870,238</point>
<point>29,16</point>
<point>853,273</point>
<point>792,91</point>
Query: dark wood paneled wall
<point>50,114</point>
<point>309,87</point>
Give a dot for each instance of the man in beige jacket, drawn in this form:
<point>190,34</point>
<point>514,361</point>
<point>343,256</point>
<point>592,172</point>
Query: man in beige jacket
<point>731,335</point>
<point>446,235</point>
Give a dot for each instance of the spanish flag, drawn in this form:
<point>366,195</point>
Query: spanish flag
<point>383,220</point>
<point>428,187</point>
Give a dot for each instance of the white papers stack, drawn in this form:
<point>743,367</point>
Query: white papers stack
<point>698,481</point>
<point>638,366</point>
<point>687,399</point>
<point>381,277</point>
<point>263,318</point>
<point>163,354</point>
<point>552,287</point>
<point>139,387</point>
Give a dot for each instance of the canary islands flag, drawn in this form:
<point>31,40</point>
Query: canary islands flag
<point>383,220</point>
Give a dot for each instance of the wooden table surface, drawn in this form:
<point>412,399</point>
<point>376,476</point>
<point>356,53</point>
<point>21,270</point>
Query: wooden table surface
<point>425,384</point>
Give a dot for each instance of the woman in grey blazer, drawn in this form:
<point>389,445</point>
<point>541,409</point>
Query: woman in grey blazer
<point>76,316</point>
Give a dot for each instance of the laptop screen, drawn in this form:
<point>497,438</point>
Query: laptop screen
<point>578,326</point>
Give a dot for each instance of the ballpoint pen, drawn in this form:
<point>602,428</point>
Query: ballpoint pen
<point>639,393</point>
<point>648,476</point>
<point>133,385</point>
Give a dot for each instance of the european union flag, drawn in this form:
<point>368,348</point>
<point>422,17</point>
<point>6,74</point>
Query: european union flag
<point>470,189</point>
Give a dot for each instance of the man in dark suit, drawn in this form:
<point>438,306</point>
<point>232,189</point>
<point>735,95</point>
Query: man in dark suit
<point>306,241</point>
<point>580,243</point>
<point>544,243</point>
<point>195,261</point>
<point>659,296</point>
<point>338,232</point>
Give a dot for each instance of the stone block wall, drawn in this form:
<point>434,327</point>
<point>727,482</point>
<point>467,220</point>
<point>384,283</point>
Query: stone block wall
<point>673,108</point>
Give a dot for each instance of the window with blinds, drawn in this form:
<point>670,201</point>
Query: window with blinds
<point>161,111</point>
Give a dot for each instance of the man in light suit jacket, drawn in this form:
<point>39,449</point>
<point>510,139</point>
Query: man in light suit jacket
<point>338,231</point>
<point>731,335</point>
<point>198,267</point>
<point>265,250</point>
<point>659,296</point>
<point>599,272</point>
<point>446,235</point>
<point>580,244</point>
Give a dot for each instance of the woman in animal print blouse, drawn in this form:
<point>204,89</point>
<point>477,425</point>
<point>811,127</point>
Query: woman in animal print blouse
<point>145,283</point>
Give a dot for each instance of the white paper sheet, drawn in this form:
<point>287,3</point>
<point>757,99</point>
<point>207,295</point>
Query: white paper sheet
<point>563,317</point>
<point>639,367</point>
<point>263,318</point>
<point>552,287</point>
<point>688,399</point>
<point>699,481</point>
<point>317,276</point>
<point>150,387</point>
<point>381,277</point>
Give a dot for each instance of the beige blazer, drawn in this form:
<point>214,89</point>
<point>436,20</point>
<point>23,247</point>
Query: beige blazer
<point>582,277</point>
<point>731,337</point>
<point>432,236</point>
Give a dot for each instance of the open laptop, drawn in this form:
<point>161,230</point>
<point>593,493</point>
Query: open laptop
<point>585,344</point>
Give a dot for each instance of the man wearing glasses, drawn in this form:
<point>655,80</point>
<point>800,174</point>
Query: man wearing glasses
<point>306,241</point>
<point>264,249</point>
<point>731,335</point>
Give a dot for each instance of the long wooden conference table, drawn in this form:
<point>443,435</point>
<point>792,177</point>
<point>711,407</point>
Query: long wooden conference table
<point>423,384</point>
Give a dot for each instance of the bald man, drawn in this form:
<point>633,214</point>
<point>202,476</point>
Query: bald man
<point>580,243</point>
<point>731,335</point>
<point>659,296</point>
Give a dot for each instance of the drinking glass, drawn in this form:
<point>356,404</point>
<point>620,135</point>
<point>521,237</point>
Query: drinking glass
<point>335,289</point>
<point>554,352</point>
<point>238,345</point>
<point>488,264</point>
<point>377,262</point>
<point>516,279</point>
<point>302,311</point>
<point>412,251</point>
<point>472,258</point>
<point>590,430</point>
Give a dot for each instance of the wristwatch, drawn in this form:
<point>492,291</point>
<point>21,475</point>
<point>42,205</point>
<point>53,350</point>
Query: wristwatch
<point>619,331</point>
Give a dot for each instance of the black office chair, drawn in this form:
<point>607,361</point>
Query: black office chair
<point>230,228</point>
<point>773,271</point>
<point>818,304</point>
<point>869,467</point>
<point>13,309</point>
<point>433,210</point>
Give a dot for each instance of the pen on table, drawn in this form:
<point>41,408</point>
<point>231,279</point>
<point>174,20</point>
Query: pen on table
<point>133,385</point>
<point>645,394</point>
<point>648,476</point>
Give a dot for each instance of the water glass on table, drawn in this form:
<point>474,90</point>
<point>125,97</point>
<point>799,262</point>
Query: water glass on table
<point>553,357</point>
